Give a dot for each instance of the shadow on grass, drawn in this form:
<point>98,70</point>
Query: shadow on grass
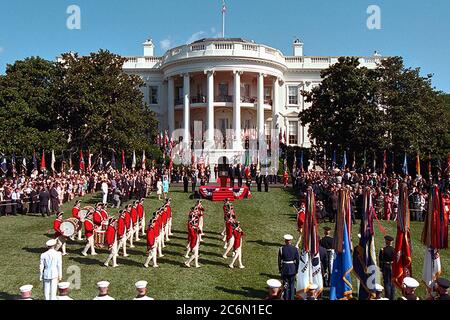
<point>265,243</point>
<point>86,261</point>
<point>8,296</point>
<point>246,292</point>
<point>34,250</point>
<point>270,276</point>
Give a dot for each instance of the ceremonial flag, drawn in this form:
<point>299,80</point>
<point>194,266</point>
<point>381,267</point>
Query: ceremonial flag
<point>402,264</point>
<point>13,164</point>
<point>432,268</point>
<point>70,162</point>
<point>354,161</point>
<point>113,161</point>
<point>364,255</point>
<point>82,167</point>
<point>247,158</point>
<point>24,164</point>
<point>333,160</point>
<point>52,164</point>
<point>418,164</point>
<point>374,162</point>
<point>133,162</point>
<point>89,168</point>
<point>384,161</point>
<point>344,160</point>
<point>43,166</point>
<point>143,160</point>
<point>341,283</point>
<point>364,160</point>
<point>35,165</point>
<point>405,165</point>
<point>309,271</point>
<point>4,165</point>
<point>123,161</point>
<point>429,166</point>
<point>100,163</point>
<point>301,162</point>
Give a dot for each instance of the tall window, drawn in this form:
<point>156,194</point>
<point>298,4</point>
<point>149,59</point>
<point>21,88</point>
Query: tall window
<point>293,95</point>
<point>293,132</point>
<point>267,129</point>
<point>179,95</point>
<point>267,93</point>
<point>153,94</point>
<point>245,90</point>
<point>223,89</point>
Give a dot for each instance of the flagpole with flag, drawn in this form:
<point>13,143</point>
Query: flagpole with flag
<point>52,164</point>
<point>35,165</point>
<point>82,166</point>
<point>224,10</point>
<point>143,160</point>
<point>418,165</point>
<point>13,165</point>
<point>24,165</point>
<point>133,162</point>
<point>344,160</point>
<point>123,161</point>
<point>405,165</point>
<point>4,165</point>
<point>89,167</point>
<point>43,165</point>
<point>384,161</point>
<point>333,160</point>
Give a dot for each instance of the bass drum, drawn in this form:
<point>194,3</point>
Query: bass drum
<point>69,227</point>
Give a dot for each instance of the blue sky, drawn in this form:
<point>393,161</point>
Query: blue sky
<point>417,30</point>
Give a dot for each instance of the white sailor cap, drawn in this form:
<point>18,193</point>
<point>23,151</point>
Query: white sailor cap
<point>64,285</point>
<point>410,282</point>
<point>313,287</point>
<point>378,287</point>
<point>103,284</point>
<point>288,237</point>
<point>141,284</point>
<point>274,283</point>
<point>26,288</point>
<point>51,243</point>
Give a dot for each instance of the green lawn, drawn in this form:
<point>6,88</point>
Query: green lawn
<point>265,219</point>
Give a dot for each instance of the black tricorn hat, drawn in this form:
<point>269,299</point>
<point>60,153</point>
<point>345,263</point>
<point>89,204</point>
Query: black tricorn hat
<point>388,238</point>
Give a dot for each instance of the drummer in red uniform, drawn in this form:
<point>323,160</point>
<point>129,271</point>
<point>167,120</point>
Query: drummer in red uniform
<point>164,225</point>
<point>111,242</point>
<point>151,244</point>
<point>61,240</point>
<point>157,232</point>
<point>75,214</point>
<point>160,226</point>
<point>237,246</point>
<point>89,234</point>
<point>134,220</point>
<point>104,213</point>
<point>97,217</point>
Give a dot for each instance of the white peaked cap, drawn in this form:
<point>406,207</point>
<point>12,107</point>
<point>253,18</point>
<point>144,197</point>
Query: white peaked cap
<point>410,282</point>
<point>141,284</point>
<point>26,288</point>
<point>51,243</point>
<point>378,287</point>
<point>274,283</point>
<point>103,284</point>
<point>288,237</point>
<point>63,285</point>
<point>313,287</point>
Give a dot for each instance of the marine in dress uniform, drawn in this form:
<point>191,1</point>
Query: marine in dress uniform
<point>75,214</point>
<point>288,263</point>
<point>141,288</point>
<point>103,291</point>
<point>386,258</point>
<point>151,244</point>
<point>25,292</point>
<point>327,243</point>
<point>60,239</point>
<point>50,268</point>
<point>409,289</point>
<point>111,242</point>
<point>274,290</point>
<point>63,291</point>
<point>237,246</point>
<point>89,234</point>
<point>442,286</point>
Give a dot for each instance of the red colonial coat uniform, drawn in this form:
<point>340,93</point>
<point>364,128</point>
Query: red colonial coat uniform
<point>127,220</point>
<point>57,227</point>
<point>237,239</point>
<point>88,228</point>
<point>151,237</point>
<point>387,207</point>
<point>285,178</point>
<point>164,217</point>
<point>120,227</point>
<point>169,212</point>
<point>110,235</point>
<point>156,227</point>
<point>229,230</point>
<point>193,236</point>
<point>104,215</point>
<point>300,218</point>
<point>140,211</point>
<point>97,218</point>
<point>75,211</point>
<point>134,215</point>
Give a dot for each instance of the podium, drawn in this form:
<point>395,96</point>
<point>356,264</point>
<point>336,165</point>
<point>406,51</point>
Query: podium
<point>223,178</point>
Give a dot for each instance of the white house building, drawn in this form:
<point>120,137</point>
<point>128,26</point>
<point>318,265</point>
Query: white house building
<point>231,83</point>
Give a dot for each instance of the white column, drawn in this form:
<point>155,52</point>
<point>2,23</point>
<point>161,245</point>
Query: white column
<point>275,103</point>
<point>237,143</point>
<point>260,107</point>
<point>171,105</point>
<point>186,95</point>
<point>210,108</point>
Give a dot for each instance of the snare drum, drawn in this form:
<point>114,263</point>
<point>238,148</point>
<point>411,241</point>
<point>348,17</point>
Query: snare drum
<point>99,238</point>
<point>69,227</point>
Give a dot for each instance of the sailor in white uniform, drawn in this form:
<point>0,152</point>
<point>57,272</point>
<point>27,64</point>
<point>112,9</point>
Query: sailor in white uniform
<point>63,288</point>
<point>25,292</point>
<point>378,291</point>
<point>50,268</point>
<point>141,287</point>
<point>103,291</point>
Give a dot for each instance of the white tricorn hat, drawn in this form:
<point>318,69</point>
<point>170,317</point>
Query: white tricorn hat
<point>103,284</point>
<point>64,285</point>
<point>288,237</point>
<point>51,243</point>
<point>141,284</point>
<point>26,288</point>
<point>410,282</point>
<point>274,283</point>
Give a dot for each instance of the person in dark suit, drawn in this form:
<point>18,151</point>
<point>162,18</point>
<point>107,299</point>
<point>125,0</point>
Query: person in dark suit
<point>194,182</point>
<point>44,197</point>
<point>54,199</point>
<point>334,198</point>
<point>231,176</point>
<point>185,183</point>
<point>239,174</point>
<point>266,182</point>
<point>327,244</point>
<point>259,181</point>
<point>288,263</point>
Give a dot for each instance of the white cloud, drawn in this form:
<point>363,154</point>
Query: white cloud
<point>196,36</point>
<point>2,50</point>
<point>166,44</point>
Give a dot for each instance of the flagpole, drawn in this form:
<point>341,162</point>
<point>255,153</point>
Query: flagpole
<point>223,18</point>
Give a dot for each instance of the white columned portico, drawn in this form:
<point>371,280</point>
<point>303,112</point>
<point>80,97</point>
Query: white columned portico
<point>260,108</point>
<point>237,142</point>
<point>186,111</point>
<point>210,107</point>
<point>171,105</point>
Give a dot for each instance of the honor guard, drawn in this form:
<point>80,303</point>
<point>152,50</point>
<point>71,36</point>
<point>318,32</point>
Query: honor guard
<point>97,217</point>
<point>151,244</point>
<point>274,290</point>
<point>60,239</point>
<point>409,289</point>
<point>111,242</point>
<point>288,262</point>
<point>75,214</point>
<point>237,246</point>
<point>50,268</point>
<point>312,292</point>
<point>134,220</point>
<point>25,292</point>
<point>103,291</point>
<point>89,234</point>
<point>160,226</point>
<point>327,243</point>
<point>442,286</point>
<point>378,292</point>
<point>141,288</point>
<point>386,258</point>
<point>63,291</point>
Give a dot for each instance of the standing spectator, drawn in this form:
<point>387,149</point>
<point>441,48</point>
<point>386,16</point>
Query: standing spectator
<point>54,199</point>
<point>15,201</point>
<point>165,187</point>
<point>159,188</point>
<point>44,197</point>
<point>105,191</point>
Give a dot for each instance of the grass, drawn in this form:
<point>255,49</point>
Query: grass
<point>265,219</point>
